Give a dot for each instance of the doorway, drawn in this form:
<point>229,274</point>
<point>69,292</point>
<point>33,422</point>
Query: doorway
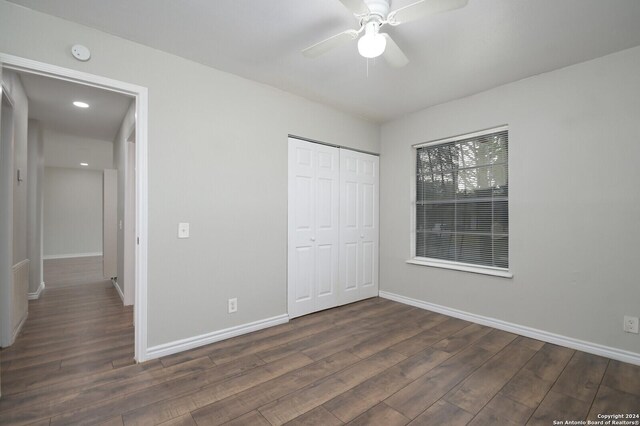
<point>139,95</point>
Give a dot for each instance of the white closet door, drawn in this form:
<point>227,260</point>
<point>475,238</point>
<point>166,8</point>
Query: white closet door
<point>359,206</point>
<point>313,246</point>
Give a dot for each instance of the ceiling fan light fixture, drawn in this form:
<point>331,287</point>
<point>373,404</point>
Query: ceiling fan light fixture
<point>372,43</point>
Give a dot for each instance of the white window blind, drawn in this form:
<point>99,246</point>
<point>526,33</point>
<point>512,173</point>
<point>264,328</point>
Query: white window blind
<point>462,200</point>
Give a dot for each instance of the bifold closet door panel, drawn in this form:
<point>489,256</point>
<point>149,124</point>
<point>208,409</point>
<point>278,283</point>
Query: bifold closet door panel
<point>313,246</point>
<point>359,240</point>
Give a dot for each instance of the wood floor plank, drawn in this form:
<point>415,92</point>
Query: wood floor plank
<point>557,406</point>
<point>368,394</point>
<point>423,392</point>
<point>481,386</point>
<point>294,405</point>
<point>174,404</point>
<point>20,380</point>
<point>114,421</point>
<point>185,420</point>
<point>530,385</point>
<point>623,377</point>
<point>613,401</point>
<point>43,394</point>
<point>502,410</point>
<point>317,416</point>
<point>381,414</point>
<point>332,340</point>
<point>582,376</point>
<point>462,338</point>
<point>430,336</point>
<point>253,418</point>
<point>443,413</point>
<point>68,402</point>
<point>259,395</point>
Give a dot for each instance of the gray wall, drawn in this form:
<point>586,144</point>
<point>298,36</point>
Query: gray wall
<point>35,204</point>
<point>72,211</point>
<point>13,212</point>
<point>574,201</point>
<point>217,159</point>
<point>65,150</point>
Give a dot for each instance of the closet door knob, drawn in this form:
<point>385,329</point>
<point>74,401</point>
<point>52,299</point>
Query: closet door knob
<point>361,235</point>
<point>313,238</point>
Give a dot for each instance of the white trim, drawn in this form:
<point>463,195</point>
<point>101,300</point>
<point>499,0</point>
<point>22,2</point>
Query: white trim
<point>208,338</point>
<point>463,136</point>
<point>496,272</point>
<point>19,265</point>
<point>36,295</point>
<point>142,215</point>
<point>14,268</point>
<point>141,95</point>
<point>6,93</point>
<point>70,255</point>
<point>534,333</point>
<point>115,284</point>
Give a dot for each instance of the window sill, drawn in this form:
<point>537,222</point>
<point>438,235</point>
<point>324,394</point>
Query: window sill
<point>459,267</point>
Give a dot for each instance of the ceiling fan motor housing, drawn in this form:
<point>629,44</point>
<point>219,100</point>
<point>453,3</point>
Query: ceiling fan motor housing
<point>379,7</point>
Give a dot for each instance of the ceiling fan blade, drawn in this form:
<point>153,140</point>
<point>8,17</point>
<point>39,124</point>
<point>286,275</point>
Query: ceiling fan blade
<point>422,9</point>
<point>330,43</point>
<point>393,54</point>
<point>357,7</point>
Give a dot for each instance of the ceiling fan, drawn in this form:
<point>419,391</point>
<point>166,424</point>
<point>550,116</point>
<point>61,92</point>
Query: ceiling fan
<point>373,15</point>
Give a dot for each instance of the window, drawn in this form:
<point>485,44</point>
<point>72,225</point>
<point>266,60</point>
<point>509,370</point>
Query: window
<point>462,200</point>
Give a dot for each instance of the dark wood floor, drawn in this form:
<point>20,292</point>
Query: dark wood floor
<point>374,362</point>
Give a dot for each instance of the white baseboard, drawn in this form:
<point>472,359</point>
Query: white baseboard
<point>70,255</point>
<point>216,336</point>
<point>545,336</point>
<point>115,284</point>
<point>36,295</point>
<point>19,327</point>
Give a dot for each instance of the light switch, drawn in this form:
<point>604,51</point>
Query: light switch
<point>183,230</point>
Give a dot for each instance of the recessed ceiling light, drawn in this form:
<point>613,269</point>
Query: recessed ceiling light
<point>81,104</point>
<point>84,164</point>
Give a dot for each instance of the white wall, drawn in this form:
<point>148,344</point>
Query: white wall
<point>72,211</point>
<point>217,159</point>
<point>574,201</point>
<point>35,204</point>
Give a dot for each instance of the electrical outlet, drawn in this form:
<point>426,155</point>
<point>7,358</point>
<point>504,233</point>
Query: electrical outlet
<point>233,305</point>
<point>630,324</point>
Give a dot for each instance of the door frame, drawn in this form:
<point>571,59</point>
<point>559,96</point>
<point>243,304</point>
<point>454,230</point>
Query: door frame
<point>140,94</point>
<point>6,222</point>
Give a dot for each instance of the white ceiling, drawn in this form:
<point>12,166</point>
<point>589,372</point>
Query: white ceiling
<point>484,45</point>
<point>51,103</point>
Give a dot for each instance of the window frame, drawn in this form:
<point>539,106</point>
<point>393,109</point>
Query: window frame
<point>441,263</point>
